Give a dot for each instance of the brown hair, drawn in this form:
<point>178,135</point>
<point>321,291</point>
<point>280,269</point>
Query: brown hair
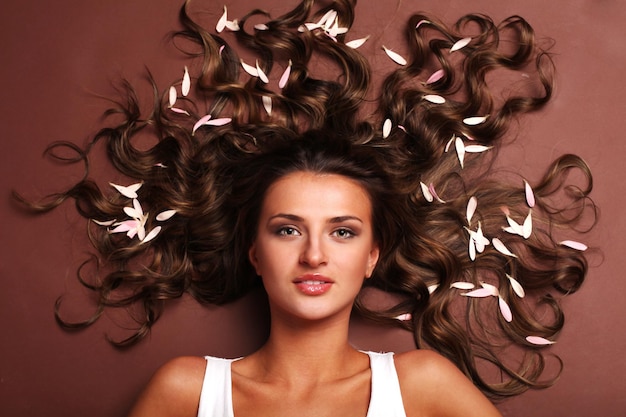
<point>439,104</point>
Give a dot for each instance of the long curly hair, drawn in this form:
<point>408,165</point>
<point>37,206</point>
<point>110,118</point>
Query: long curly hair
<point>475,257</point>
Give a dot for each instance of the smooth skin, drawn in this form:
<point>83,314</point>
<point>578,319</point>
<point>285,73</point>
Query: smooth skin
<point>314,225</point>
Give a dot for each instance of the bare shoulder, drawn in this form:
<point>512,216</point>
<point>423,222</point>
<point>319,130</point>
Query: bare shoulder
<point>422,364</point>
<point>432,385</point>
<point>174,390</point>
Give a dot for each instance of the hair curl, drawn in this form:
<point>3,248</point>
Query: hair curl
<point>216,177</point>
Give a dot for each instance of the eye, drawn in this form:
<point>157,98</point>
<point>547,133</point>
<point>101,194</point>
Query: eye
<point>344,233</point>
<point>288,231</point>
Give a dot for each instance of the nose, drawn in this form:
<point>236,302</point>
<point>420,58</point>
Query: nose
<point>313,253</point>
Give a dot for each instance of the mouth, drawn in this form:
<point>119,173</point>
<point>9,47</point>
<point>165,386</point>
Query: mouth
<point>313,279</point>
<point>313,284</point>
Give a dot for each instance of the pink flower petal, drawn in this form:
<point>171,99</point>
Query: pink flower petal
<point>574,245</point>
<point>180,111</point>
<point>471,208</point>
<point>480,239</point>
<point>128,191</point>
<point>261,26</point>
<point>500,247</point>
<point>336,30</point>
<point>473,121</point>
<point>285,77</point>
<point>131,212</point>
<point>536,340</point>
<point>357,42</point>
<point>404,317</point>
<point>462,43</point>
<point>172,96</point>
<point>530,195</point>
<point>517,287</point>
<point>267,104</point>
<point>221,24</point>
<point>448,144</point>
<point>476,148</point>
<point>397,58</point>
<point>514,225</point>
<point>125,226</point>
<point>492,289</point>
<point>103,223</point>
<point>153,233</point>
<point>434,98</point>
<point>460,150</point>
<point>249,69</point>
<point>138,208</point>
<point>219,122</point>
<point>436,76</point>
<point>200,122</point>
<point>422,22</point>
<point>505,310</point>
<point>511,230</point>
<point>432,190</point>
<point>479,293</point>
<point>165,215</point>
<point>461,285</point>
<point>432,288</point>
<point>232,25</point>
<point>333,29</point>
<point>328,18</point>
<point>514,228</point>
<point>186,86</point>
<point>426,192</point>
<point>262,74</point>
<point>472,249</point>
<point>472,203</point>
<point>141,232</point>
<point>387,128</point>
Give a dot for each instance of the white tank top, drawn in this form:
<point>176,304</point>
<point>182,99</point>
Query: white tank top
<point>216,398</point>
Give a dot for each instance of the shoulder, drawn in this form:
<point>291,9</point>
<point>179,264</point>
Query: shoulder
<point>432,385</point>
<point>174,390</point>
<point>420,363</point>
<point>424,370</point>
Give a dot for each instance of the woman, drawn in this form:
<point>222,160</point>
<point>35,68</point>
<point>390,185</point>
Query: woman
<point>317,236</point>
<point>459,247</point>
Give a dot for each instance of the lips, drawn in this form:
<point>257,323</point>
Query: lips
<point>313,284</point>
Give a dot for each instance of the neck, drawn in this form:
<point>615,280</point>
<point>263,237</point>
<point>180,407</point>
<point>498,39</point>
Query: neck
<point>308,350</point>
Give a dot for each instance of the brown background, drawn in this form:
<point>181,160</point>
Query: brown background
<point>56,54</point>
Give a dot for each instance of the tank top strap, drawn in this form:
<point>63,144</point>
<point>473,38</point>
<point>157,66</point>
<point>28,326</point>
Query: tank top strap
<point>216,397</point>
<point>386,398</point>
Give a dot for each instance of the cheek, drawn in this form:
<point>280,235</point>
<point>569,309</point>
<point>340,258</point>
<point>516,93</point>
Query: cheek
<point>359,262</point>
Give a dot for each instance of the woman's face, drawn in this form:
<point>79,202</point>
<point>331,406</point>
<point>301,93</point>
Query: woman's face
<point>314,245</point>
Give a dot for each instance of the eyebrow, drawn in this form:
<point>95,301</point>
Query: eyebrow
<point>293,217</point>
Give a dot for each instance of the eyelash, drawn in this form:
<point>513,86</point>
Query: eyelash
<point>341,233</point>
<point>350,233</point>
<point>287,231</point>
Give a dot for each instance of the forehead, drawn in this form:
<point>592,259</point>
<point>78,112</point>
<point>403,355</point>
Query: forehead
<point>309,192</point>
